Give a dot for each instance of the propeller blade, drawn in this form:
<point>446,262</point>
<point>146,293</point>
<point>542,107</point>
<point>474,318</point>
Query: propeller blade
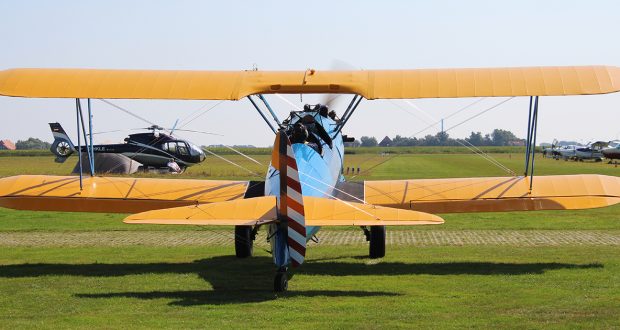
<point>331,100</point>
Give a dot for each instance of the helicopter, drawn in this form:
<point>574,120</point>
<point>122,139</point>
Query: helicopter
<point>153,149</point>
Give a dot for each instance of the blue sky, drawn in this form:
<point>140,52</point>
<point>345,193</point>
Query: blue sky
<point>295,35</point>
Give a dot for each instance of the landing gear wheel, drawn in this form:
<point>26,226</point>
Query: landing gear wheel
<point>244,242</point>
<point>377,242</point>
<point>280,282</point>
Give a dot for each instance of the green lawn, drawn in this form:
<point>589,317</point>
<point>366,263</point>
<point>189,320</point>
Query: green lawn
<point>206,287</point>
<point>482,286</point>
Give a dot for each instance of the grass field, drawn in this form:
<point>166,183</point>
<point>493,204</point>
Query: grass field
<point>569,282</point>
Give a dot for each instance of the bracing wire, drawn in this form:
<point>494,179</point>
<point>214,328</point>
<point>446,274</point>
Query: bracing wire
<point>341,200</point>
<point>201,114</point>
<point>208,151</point>
<point>448,117</point>
<point>333,187</point>
<point>289,102</point>
<point>127,111</point>
<point>244,155</point>
<point>475,149</point>
<point>412,114</point>
<point>486,156</point>
<point>231,162</point>
<point>479,114</point>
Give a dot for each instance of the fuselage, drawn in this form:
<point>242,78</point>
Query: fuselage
<point>612,153</point>
<point>318,174</point>
<point>588,153</point>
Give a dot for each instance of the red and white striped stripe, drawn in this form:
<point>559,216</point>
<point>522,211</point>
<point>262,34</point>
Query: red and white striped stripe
<point>291,202</point>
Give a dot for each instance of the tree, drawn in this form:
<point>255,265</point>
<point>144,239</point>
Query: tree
<point>475,139</point>
<point>443,138</point>
<point>368,141</point>
<point>487,140</point>
<point>429,140</point>
<point>502,137</point>
<point>31,143</point>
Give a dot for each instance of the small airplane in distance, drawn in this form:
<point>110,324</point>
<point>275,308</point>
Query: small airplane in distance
<point>612,151</point>
<point>567,152</point>
<point>591,152</point>
<point>304,189</point>
<point>152,150</point>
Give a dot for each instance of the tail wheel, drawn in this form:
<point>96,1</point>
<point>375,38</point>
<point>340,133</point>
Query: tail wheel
<point>244,241</point>
<point>377,242</point>
<point>280,282</point>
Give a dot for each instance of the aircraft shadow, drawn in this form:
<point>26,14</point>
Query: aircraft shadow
<point>225,297</point>
<point>250,280</point>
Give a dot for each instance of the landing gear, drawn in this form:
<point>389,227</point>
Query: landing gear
<point>375,235</point>
<point>244,241</point>
<point>280,282</point>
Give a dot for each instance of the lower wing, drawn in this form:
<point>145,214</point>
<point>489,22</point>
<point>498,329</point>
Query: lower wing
<point>556,192</point>
<point>115,194</point>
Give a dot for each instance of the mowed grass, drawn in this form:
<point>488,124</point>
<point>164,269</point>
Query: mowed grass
<point>413,286</point>
<point>206,287</point>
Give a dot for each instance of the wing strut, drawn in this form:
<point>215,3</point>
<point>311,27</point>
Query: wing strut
<point>273,114</point>
<point>347,114</point>
<point>261,114</point>
<point>530,145</point>
<point>89,150</point>
<point>89,145</point>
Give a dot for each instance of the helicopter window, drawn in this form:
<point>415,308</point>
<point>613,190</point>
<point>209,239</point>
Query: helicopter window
<point>170,147</point>
<point>182,148</point>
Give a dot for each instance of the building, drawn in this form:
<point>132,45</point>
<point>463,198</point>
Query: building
<point>386,142</point>
<point>7,145</point>
<point>517,143</point>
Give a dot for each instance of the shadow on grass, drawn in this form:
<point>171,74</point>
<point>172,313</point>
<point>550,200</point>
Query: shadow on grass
<point>223,297</point>
<point>250,280</point>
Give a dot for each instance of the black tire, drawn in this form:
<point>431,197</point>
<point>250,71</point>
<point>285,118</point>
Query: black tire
<point>280,282</point>
<point>377,242</point>
<point>244,244</point>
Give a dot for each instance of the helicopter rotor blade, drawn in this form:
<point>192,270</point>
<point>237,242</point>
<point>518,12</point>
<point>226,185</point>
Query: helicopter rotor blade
<point>201,132</point>
<point>174,126</point>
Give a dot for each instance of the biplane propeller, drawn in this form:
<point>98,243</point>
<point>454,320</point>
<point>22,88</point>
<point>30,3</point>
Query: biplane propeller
<point>304,189</point>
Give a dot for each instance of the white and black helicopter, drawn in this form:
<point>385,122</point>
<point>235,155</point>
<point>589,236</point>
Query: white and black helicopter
<point>153,149</point>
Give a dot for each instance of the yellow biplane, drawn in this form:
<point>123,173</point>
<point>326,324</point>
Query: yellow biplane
<point>304,189</point>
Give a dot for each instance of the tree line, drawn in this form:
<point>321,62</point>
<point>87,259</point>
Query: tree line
<point>498,137</point>
<point>31,144</point>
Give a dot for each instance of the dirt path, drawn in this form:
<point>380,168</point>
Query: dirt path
<point>394,237</point>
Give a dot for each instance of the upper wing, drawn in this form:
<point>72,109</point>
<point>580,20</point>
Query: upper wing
<point>113,194</point>
<point>557,192</point>
<point>261,210</point>
<point>371,84</point>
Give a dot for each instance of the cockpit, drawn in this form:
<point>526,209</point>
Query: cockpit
<point>196,151</point>
<point>307,127</point>
<point>183,148</point>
